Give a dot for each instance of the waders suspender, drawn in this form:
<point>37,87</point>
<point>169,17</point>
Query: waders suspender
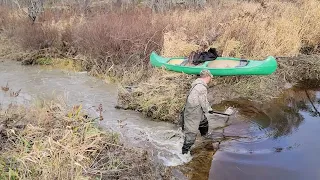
<point>182,112</point>
<point>190,93</point>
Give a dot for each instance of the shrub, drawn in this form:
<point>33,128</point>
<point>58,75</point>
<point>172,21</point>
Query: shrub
<point>116,38</point>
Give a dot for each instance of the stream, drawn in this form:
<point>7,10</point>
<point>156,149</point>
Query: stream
<point>75,88</point>
<point>269,141</point>
<point>279,140</point>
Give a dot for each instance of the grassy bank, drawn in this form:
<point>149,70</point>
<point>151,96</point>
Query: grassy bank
<point>162,96</point>
<point>50,141</point>
<point>117,42</point>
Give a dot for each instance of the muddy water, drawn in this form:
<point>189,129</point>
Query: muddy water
<point>269,141</point>
<point>277,141</point>
<point>76,88</point>
<point>162,139</point>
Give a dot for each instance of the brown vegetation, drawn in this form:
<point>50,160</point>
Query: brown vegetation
<point>246,29</point>
<point>113,42</point>
<point>162,95</point>
<point>107,42</point>
<point>116,42</point>
<point>50,141</point>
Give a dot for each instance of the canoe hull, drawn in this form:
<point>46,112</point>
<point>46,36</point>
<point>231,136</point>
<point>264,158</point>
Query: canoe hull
<point>254,67</point>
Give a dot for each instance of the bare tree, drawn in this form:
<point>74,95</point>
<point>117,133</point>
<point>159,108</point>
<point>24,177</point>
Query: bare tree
<point>163,5</point>
<point>34,9</point>
<point>86,5</point>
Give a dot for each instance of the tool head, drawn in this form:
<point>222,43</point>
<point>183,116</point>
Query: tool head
<point>230,111</point>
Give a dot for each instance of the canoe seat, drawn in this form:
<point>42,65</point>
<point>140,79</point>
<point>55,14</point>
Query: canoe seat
<point>223,64</point>
<point>182,62</point>
<point>176,61</point>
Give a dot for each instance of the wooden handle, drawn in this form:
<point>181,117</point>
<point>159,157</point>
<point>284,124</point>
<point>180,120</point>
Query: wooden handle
<point>215,112</point>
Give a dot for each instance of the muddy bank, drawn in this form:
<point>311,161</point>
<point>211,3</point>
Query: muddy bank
<point>199,166</point>
<point>162,95</point>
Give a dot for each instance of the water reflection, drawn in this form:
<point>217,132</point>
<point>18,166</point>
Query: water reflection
<point>282,139</point>
<point>279,118</point>
<point>314,112</point>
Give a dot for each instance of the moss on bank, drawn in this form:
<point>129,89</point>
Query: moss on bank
<point>61,63</point>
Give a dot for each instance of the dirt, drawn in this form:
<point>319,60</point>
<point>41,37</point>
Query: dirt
<point>198,168</point>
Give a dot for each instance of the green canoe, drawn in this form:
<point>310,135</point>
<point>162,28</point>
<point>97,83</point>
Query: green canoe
<point>222,66</point>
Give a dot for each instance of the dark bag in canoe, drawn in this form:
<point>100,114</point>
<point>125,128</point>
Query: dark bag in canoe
<point>204,56</point>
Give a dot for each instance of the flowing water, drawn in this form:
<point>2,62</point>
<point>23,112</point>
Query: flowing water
<point>269,141</point>
<point>75,88</point>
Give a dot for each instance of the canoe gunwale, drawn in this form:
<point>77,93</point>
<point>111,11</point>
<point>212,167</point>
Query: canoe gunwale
<point>254,67</point>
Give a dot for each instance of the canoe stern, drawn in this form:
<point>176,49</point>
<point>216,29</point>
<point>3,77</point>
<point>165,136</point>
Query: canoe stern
<point>270,65</point>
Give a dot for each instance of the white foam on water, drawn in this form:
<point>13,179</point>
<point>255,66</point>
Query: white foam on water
<point>165,144</point>
<point>176,160</point>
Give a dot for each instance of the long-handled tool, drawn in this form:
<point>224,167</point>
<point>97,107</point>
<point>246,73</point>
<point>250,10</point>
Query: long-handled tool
<point>228,112</point>
<point>216,112</point>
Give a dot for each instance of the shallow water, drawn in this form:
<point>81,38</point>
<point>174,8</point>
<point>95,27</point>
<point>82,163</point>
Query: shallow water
<point>163,139</point>
<point>269,141</point>
<point>281,140</point>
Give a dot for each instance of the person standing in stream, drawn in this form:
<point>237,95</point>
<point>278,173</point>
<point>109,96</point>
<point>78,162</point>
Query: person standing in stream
<point>196,107</point>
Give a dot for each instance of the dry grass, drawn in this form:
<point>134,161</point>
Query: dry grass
<point>50,141</point>
<point>162,95</point>
<point>117,44</point>
<point>105,43</point>
<point>246,29</point>
<point>8,49</point>
<point>240,29</point>
<point>113,43</point>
